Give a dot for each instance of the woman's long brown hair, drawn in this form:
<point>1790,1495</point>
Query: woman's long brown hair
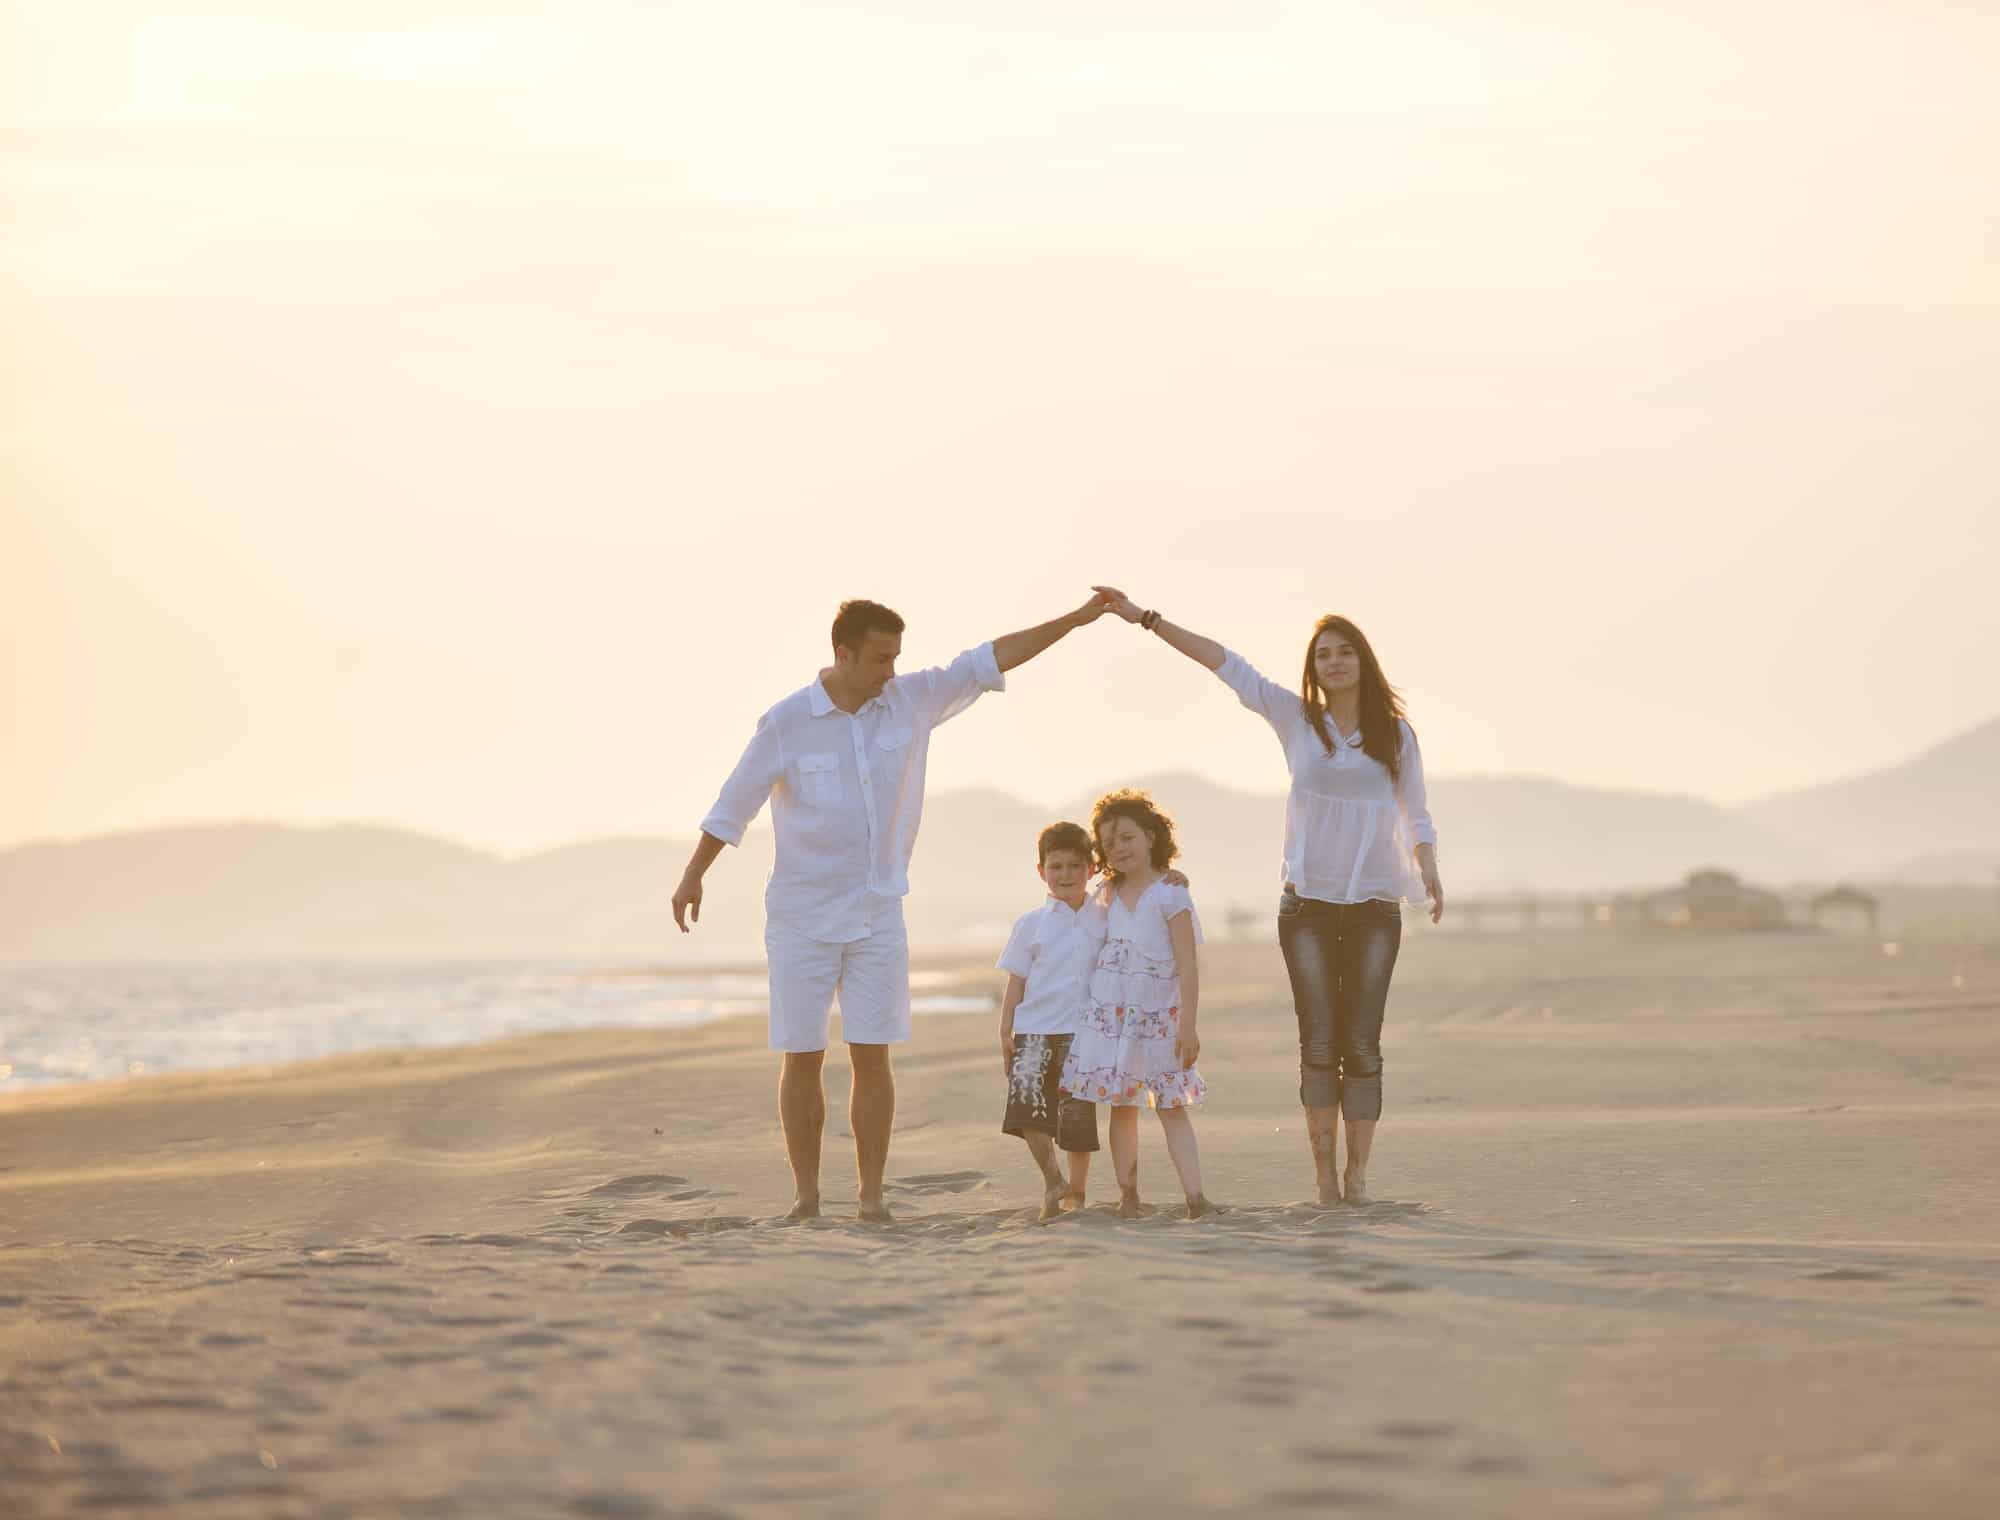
<point>1381,703</point>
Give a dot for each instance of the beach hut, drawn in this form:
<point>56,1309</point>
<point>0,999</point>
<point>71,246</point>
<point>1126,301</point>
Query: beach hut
<point>1847,910</point>
<point>1712,899</point>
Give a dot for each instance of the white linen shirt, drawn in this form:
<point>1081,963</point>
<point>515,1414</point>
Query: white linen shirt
<point>846,793</point>
<point>1350,832</point>
<point>1053,950</point>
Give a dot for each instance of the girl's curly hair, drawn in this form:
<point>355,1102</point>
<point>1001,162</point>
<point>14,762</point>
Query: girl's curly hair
<point>1130,802</point>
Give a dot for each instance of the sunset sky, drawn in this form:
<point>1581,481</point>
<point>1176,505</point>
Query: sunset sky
<point>468,416</point>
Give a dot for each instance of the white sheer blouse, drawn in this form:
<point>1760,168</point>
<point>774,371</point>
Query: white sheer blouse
<point>1350,832</point>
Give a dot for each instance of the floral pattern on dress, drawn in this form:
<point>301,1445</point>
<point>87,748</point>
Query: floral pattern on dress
<point>1123,1053</point>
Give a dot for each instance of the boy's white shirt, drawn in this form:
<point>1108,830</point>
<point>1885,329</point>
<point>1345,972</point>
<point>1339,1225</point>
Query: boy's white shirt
<point>1054,949</point>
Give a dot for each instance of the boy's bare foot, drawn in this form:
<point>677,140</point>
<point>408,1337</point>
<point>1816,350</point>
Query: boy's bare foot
<point>1357,1188</point>
<point>1071,1202</point>
<point>805,1208</point>
<point>1051,1197</point>
<point>1128,1203</point>
<point>1199,1205</point>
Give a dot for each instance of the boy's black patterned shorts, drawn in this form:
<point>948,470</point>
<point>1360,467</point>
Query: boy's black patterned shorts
<point>1036,1101</point>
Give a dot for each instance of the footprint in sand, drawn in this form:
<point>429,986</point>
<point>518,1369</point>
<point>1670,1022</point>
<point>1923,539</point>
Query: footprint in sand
<point>1416,1430</point>
<point>636,1186</point>
<point>1327,1498</point>
<point>938,1182</point>
<point>682,1228</point>
<point>1348,1456</point>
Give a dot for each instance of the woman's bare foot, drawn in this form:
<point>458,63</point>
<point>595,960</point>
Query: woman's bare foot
<point>1071,1202</point>
<point>805,1208</point>
<point>1128,1203</point>
<point>1357,1188</point>
<point>1198,1206</point>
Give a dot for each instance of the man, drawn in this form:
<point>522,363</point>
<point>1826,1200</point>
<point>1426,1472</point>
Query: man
<point>842,761</point>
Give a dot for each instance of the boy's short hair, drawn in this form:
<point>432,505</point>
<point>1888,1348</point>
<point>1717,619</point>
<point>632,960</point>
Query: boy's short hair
<point>857,619</point>
<point>1062,836</point>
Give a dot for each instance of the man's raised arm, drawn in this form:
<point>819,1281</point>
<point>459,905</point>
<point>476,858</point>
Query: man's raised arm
<point>1012,649</point>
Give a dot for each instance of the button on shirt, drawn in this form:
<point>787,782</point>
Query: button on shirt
<point>1350,830</point>
<point>1054,950</point>
<point>846,793</point>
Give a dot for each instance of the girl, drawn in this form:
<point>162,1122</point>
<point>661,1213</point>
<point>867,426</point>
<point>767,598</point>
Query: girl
<point>1358,838</point>
<point>1136,1042</point>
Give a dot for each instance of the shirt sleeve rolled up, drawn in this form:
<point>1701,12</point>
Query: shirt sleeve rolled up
<point>945,691</point>
<point>748,787</point>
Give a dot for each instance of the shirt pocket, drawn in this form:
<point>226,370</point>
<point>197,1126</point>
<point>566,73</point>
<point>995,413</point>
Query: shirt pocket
<point>891,745</point>
<point>819,778</point>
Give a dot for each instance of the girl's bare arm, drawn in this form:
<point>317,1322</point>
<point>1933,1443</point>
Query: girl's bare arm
<point>1187,965</point>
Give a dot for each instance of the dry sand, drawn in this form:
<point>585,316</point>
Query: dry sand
<point>1673,1227</point>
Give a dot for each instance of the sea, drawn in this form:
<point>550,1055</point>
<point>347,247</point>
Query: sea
<point>65,1022</point>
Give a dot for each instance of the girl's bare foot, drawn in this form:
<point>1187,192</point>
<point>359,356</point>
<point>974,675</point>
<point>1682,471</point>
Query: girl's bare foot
<point>805,1208</point>
<point>1128,1203</point>
<point>1357,1188</point>
<point>874,1213</point>
<point>1071,1202</point>
<point>1198,1206</point>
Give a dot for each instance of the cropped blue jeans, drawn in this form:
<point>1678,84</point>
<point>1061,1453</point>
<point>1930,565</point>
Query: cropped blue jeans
<point>1340,957</point>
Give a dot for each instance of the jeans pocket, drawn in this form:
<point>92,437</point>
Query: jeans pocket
<point>1290,905</point>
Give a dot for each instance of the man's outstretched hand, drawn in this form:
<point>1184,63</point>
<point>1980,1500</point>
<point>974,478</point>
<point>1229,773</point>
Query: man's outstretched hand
<point>1118,602</point>
<point>1091,610</point>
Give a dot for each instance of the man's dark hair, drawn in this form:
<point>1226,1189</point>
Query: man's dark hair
<point>857,619</point>
<point>1062,836</point>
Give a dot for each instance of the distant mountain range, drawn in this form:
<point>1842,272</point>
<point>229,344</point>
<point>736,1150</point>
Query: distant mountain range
<point>258,889</point>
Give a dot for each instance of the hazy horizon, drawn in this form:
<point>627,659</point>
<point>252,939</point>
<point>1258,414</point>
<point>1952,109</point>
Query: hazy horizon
<point>470,422</point>
<point>1262,785</point>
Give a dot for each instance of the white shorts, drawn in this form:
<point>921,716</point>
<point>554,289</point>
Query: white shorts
<point>872,977</point>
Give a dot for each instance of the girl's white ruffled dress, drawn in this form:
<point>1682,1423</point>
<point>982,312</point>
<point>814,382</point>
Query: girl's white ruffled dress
<point>1123,1053</point>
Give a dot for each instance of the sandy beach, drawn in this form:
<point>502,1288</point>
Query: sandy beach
<point>1668,1226</point>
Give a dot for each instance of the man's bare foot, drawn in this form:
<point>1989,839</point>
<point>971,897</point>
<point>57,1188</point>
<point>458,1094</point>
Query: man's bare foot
<point>1329,1191</point>
<point>1357,1188</point>
<point>1199,1205</point>
<point>805,1208</point>
<point>874,1213</point>
<point>1071,1202</point>
<point>1128,1203</point>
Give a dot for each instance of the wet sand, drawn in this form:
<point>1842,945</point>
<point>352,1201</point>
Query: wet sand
<point>1674,1226</point>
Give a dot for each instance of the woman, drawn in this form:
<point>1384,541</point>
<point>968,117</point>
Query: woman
<point>1355,823</point>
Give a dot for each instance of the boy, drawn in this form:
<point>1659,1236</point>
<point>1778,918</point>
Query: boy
<point>1048,961</point>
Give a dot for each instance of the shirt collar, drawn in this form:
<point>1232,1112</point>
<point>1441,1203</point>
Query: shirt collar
<point>819,702</point>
